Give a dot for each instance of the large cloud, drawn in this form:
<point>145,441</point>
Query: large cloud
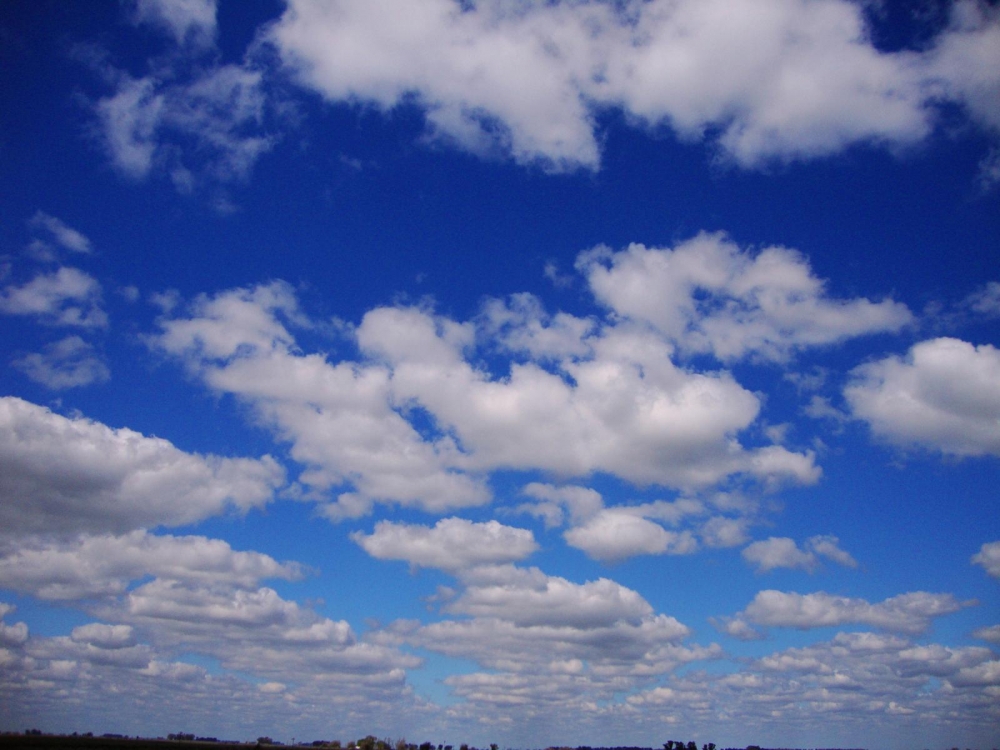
<point>339,417</point>
<point>792,79</point>
<point>626,409</point>
<point>617,404</point>
<point>943,395</point>
<point>59,474</point>
<point>708,295</point>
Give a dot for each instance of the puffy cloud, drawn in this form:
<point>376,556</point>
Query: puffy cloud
<point>60,474</point>
<point>11,635</point>
<point>614,534</point>
<point>523,621</point>
<point>68,363</point>
<point>529,597</point>
<point>103,565</point>
<point>989,557</point>
<point>784,80</point>
<point>990,633</point>
<point>906,613</point>
<point>339,417</point>
<point>452,544</point>
<point>65,297</point>
<point>708,295</point>
<point>943,395</point>
<point>626,408</point>
<point>778,552</point>
<point>581,502</point>
<point>782,552</point>
<point>62,233</point>
<point>964,61</point>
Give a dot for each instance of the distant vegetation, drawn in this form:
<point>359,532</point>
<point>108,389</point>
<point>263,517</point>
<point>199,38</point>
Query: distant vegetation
<point>34,739</point>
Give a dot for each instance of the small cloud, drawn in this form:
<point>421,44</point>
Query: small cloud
<point>737,628</point>
<point>559,280</point>
<point>989,557</point>
<point>60,232</point>
<point>991,634</point>
<point>69,363</point>
<point>782,552</point>
<point>129,293</point>
<point>66,297</point>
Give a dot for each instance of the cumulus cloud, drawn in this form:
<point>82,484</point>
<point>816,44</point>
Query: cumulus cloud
<point>452,544</point>
<point>780,81</point>
<point>709,295</point>
<point>103,565</point>
<point>624,408</point>
<point>906,613</point>
<point>339,417</point>
<point>627,409</point>
<point>65,297</point>
<point>545,638</point>
<point>782,552</point>
<point>989,557</point>
<point>990,633</point>
<point>67,363</point>
<point>64,475</point>
<point>614,534</point>
<point>943,395</point>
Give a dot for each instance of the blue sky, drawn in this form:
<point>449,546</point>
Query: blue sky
<point>534,373</point>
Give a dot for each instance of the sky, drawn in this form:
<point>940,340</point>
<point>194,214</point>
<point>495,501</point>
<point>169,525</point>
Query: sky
<point>564,372</point>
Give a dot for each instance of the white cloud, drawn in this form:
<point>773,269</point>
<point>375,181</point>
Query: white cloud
<point>708,295</point>
<point>614,534</point>
<point>68,363</point>
<point>103,565</point>
<point>779,80</point>
<point>944,395</point>
<point>906,613</point>
<point>782,552</point>
<point>10,635</point>
<point>986,300</point>
<point>104,636</point>
<point>990,633</point>
<point>528,597</point>
<point>576,641</point>
<point>829,547</point>
<point>63,234</point>
<point>339,417</point>
<point>582,503</point>
<point>625,408</point>
<point>187,20</point>
<point>964,60</point>
<point>223,111</point>
<point>989,557</point>
<point>778,552</point>
<point>65,297</point>
<point>452,544</point>
<point>72,475</point>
